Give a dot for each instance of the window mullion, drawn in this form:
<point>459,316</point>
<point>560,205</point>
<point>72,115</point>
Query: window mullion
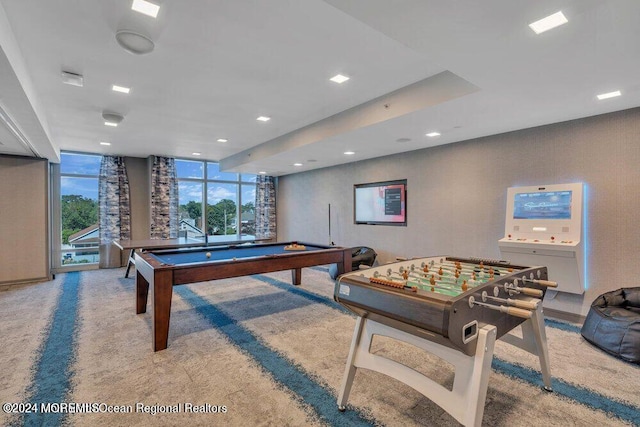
<point>205,205</point>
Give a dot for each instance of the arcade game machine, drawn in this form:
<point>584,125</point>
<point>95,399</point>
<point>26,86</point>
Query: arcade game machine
<point>544,226</point>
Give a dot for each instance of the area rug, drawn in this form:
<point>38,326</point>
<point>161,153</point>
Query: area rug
<point>257,351</point>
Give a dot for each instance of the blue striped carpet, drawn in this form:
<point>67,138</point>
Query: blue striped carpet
<point>54,367</point>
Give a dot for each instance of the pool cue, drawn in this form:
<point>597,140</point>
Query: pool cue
<point>330,241</point>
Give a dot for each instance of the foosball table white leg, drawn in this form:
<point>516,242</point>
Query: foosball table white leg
<point>465,401</point>
<point>350,369</point>
<point>471,381</point>
<point>539,332</point>
<point>534,340</point>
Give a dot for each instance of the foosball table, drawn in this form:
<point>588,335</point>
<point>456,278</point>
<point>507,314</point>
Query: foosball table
<point>455,308</point>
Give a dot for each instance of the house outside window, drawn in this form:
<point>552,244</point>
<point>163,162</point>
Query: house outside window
<point>79,233</point>
<point>229,199</point>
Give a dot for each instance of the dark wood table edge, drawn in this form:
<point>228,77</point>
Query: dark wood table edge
<point>132,248</point>
<point>161,278</point>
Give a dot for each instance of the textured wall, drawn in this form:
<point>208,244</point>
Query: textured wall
<point>457,196</point>
<point>24,248</point>
<point>137,173</point>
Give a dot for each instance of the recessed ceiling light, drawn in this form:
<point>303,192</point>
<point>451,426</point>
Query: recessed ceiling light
<point>263,118</point>
<point>145,7</point>
<point>433,134</point>
<point>111,119</point>
<point>349,153</point>
<point>105,143</point>
<point>609,95</point>
<point>121,89</point>
<point>339,78</point>
<point>134,42</point>
<point>222,140</point>
<point>546,24</point>
<point>297,164</point>
<point>195,154</point>
<point>262,173</point>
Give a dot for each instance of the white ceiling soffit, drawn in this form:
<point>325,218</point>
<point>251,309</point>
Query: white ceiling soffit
<point>526,80</point>
<point>217,65</point>
<point>431,91</point>
<point>12,140</point>
<point>23,128</point>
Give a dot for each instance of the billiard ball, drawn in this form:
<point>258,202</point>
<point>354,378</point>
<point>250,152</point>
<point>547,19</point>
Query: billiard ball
<point>208,254</point>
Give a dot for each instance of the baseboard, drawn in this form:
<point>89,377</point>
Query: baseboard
<point>76,267</point>
<point>564,316</point>
<point>11,284</point>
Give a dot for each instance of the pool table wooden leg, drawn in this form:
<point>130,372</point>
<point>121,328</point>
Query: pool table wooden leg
<point>345,265</point>
<point>162,291</point>
<point>131,261</point>
<point>296,276</point>
<point>142,291</point>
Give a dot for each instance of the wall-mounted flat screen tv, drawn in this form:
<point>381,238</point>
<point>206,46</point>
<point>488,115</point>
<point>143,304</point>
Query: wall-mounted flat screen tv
<point>380,203</point>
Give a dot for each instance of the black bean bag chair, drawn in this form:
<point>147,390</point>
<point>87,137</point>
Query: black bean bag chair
<point>360,255</point>
<point>613,324</point>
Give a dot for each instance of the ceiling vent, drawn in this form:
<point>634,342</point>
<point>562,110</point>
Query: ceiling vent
<point>73,79</point>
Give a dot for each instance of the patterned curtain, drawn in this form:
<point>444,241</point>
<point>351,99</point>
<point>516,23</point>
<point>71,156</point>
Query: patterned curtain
<point>113,200</point>
<point>164,199</point>
<point>265,207</point>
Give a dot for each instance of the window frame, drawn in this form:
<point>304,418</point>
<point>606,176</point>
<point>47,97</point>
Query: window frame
<point>56,176</point>
<point>238,182</point>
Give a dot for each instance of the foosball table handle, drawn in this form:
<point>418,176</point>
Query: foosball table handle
<point>532,292</point>
<point>547,283</point>
<point>518,312</point>
<point>527,305</point>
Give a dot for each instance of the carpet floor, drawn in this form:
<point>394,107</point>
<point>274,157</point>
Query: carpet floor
<point>256,351</point>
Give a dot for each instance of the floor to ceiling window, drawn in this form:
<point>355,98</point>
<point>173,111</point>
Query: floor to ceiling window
<point>191,196</point>
<point>214,205</point>
<point>229,199</point>
<point>79,234</point>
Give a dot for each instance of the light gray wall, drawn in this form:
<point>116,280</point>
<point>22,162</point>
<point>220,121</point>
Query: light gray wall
<point>139,194</point>
<point>24,229</point>
<point>457,197</point>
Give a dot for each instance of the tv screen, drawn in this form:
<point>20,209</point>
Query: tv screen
<point>542,205</point>
<point>381,203</point>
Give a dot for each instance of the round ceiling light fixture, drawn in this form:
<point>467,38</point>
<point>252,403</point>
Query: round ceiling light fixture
<point>134,42</point>
<point>112,117</point>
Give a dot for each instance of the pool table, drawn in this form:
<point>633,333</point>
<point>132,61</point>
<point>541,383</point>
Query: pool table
<point>164,269</point>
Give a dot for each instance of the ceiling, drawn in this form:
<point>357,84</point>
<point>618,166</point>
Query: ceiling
<point>463,68</point>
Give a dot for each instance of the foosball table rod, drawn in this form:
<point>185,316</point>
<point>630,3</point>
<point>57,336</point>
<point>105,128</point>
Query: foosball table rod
<point>547,283</point>
<point>527,305</point>
<point>501,270</point>
<point>444,282</point>
<point>512,289</point>
<point>511,311</point>
<point>408,286</point>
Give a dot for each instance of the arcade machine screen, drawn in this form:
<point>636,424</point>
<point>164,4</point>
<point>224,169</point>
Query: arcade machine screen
<point>547,205</point>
